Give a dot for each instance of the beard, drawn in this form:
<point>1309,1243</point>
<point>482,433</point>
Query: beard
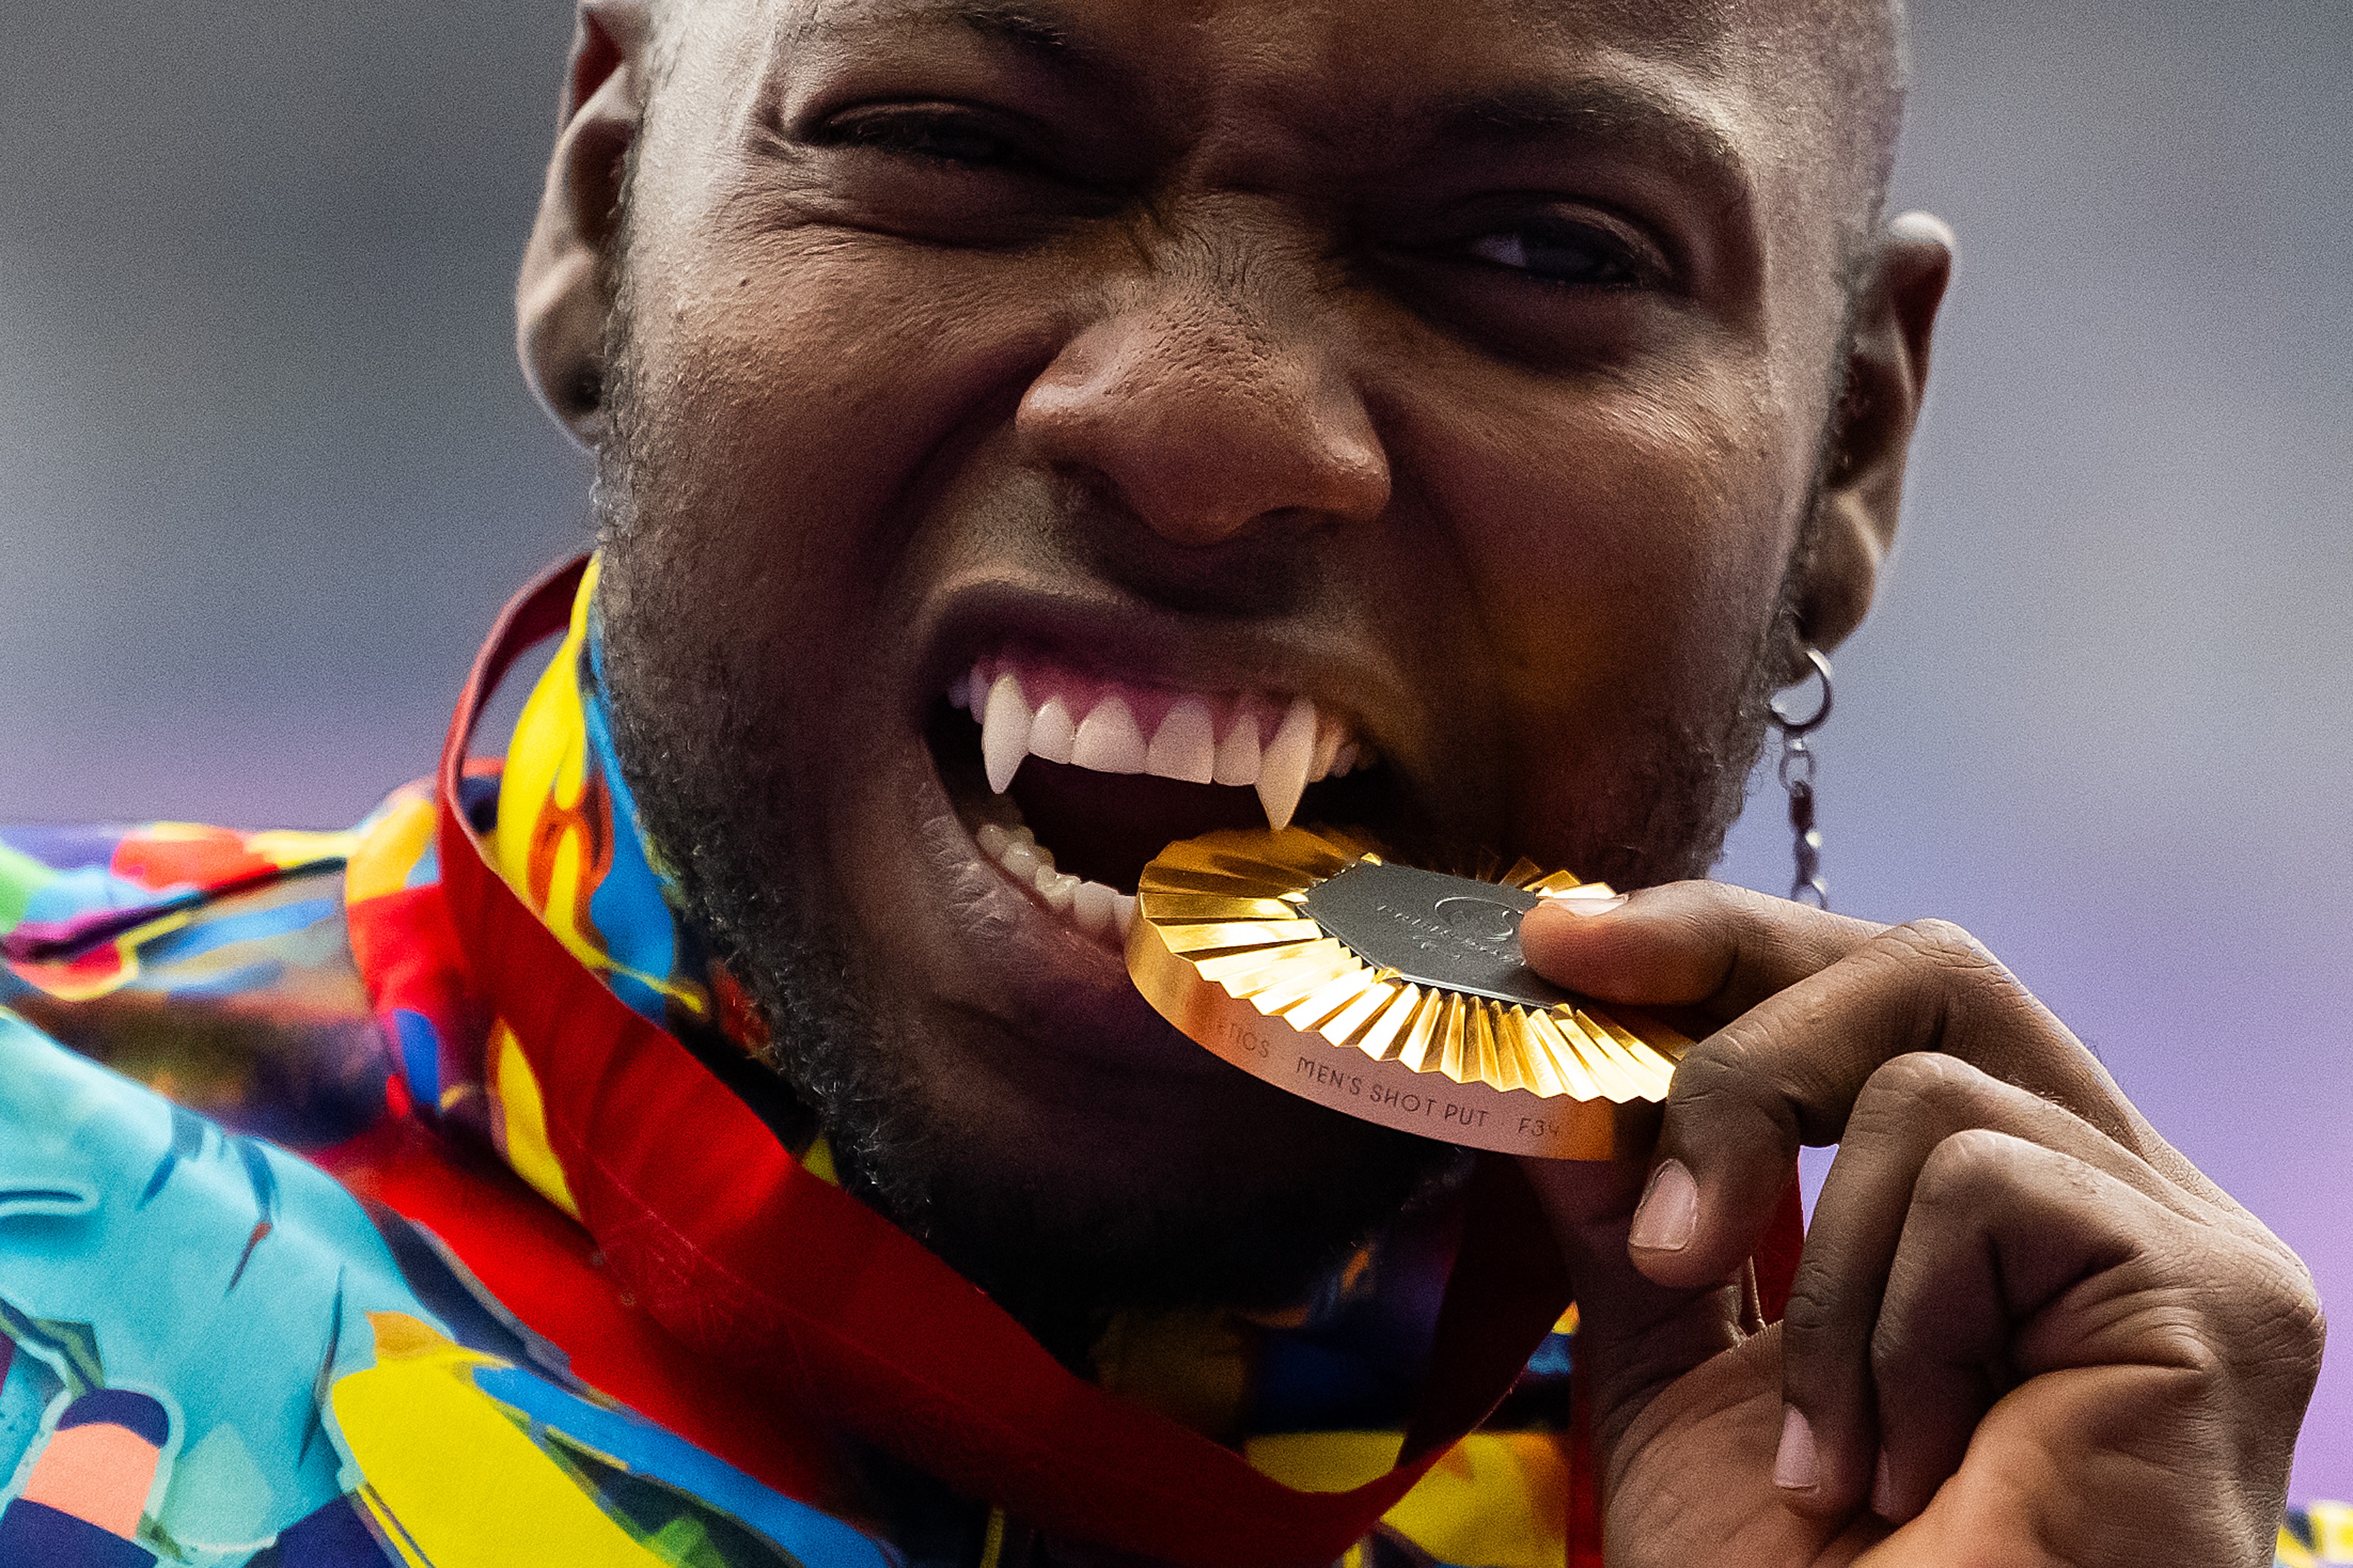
<point>718,805</point>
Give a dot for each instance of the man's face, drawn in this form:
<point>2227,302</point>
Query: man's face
<point>1463,370</point>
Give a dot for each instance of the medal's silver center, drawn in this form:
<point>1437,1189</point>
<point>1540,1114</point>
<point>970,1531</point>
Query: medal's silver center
<point>1455,933</point>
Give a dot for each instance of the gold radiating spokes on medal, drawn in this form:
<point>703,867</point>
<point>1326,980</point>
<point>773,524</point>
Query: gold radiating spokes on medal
<point>1232,906</point>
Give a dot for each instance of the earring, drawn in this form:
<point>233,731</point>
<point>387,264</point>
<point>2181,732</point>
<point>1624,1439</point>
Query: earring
<point>1797,775</point>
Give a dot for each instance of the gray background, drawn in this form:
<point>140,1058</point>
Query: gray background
<point>266,469</point>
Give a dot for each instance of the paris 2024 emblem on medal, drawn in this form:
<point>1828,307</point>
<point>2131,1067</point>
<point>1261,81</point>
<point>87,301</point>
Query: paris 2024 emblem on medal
<point>1391,993</point>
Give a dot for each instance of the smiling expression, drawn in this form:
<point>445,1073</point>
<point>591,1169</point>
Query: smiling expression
<point>1033,433</point>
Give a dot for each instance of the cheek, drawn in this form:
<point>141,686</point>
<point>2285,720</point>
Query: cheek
<point>1623,547</point>
<point>1625,543</point>
<point>801,399</point>
<point>799,408</point>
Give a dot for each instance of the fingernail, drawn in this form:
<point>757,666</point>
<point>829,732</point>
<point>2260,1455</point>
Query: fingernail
<point>1794,1466</point>
<point>1669,1212</point>
<point>1587,898</point>
<point>1882,1489</point>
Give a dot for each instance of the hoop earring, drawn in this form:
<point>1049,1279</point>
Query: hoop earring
<point>1797,775</point>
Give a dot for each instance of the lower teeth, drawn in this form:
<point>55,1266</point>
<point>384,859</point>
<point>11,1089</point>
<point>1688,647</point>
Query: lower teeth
<point>1095,907</point>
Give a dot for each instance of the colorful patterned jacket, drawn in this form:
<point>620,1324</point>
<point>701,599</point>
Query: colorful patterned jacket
<point>377,1197</point>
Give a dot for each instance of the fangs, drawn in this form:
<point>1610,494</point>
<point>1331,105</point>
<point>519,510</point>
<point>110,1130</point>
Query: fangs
<point>1246,741</point>
<point>1277,748</point>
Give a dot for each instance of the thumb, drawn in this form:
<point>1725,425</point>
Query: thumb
<point>1634,1337</point>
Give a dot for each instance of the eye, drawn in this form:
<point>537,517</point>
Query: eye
<point>1542,278</point>
<point>1566,252</point>
<point>940,170</point>
<point>943,134</point>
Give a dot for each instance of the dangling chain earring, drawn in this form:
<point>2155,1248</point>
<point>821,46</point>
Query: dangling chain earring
<point>1796,773</point>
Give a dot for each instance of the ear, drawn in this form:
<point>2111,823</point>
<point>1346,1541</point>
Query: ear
<point>562,296</point>
<point>1863,479</point>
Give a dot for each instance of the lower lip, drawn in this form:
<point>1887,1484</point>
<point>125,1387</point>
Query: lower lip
<point>1009,942</point>
<point>1050,990</point>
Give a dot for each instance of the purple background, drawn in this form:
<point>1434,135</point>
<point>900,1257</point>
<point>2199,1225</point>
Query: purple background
<point>266,469</point>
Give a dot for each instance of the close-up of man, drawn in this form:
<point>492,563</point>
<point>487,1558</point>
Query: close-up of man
<point>719,1126</point>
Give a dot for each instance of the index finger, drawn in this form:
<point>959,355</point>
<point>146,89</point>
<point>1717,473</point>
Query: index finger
<point>1716,949</point>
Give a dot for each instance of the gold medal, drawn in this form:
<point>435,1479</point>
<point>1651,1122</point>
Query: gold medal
<point>1390,994</point>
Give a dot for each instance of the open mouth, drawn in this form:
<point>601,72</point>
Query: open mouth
<point>1069,781</point>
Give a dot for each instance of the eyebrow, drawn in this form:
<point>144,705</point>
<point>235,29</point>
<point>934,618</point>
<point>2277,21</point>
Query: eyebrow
<point>1027,28</point>
<point>1008,21</point>
<point>1679,135</point>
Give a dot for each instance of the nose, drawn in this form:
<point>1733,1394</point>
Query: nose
<point>1206,412</point>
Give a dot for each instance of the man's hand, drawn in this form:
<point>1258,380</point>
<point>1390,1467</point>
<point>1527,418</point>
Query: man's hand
<point>2025,1331</point>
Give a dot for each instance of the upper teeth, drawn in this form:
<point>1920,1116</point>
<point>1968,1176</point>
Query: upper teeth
<point>1191,741</point>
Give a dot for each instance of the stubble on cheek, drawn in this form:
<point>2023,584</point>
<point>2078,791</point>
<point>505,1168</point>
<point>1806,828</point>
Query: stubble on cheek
<point>1635,568</point>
